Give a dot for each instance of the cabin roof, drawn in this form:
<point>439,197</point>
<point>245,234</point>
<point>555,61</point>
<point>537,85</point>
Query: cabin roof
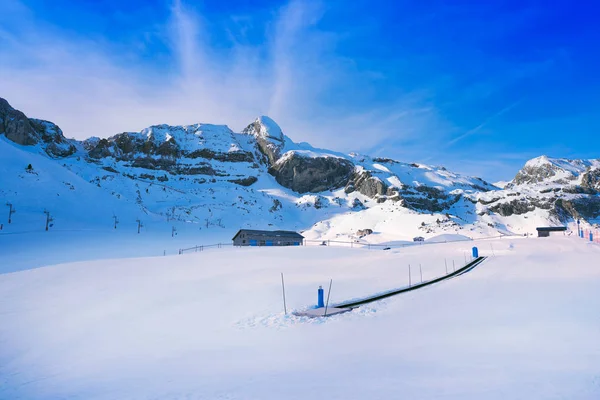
<point>258,233</point>
<point>551,229</point>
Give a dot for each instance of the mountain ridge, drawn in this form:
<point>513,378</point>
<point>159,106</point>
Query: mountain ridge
<point>294,185</point>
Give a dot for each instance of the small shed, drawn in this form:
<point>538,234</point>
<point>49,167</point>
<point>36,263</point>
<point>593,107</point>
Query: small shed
<point>251,237</point>
<point>545,231</point>
<point>419,239</point>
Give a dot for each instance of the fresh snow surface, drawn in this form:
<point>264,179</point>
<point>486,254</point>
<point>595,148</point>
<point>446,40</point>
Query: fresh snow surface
<point>210,325</point>
<point>447,237</point>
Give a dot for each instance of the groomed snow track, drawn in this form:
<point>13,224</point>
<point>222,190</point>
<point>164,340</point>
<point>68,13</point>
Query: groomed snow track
<point>356,303</point>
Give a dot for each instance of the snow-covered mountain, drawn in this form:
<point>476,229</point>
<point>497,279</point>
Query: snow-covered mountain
<point>211,177</point>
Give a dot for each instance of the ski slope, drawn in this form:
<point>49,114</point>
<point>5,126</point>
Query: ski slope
<point>523,325</point>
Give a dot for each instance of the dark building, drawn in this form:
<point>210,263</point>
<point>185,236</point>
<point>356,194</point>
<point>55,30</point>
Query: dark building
<point>546,231</point>
<point>250,237</point>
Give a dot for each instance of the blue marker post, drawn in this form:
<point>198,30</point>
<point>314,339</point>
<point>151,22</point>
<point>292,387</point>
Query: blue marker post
<point>475,252</point>
<point>321,296</point>
<point>591,236</point>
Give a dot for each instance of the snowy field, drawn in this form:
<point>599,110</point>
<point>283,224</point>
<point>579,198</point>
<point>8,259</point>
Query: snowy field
<point>523,325</point>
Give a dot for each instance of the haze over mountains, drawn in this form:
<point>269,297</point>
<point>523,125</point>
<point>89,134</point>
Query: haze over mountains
<point>218,179</point>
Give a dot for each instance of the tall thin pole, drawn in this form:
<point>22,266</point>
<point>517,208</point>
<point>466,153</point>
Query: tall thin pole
<point>283,288</point>
<point>328,293</point>
<point>421,269</point>
<point>446,263</point>
<point>48,219</point>
<point>453,266</point>
<point>409,281</point>
<point>11,211</point>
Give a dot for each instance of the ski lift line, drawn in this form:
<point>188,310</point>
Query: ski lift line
<point>356,303</point>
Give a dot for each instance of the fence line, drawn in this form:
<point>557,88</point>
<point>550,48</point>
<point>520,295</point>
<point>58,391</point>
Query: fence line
<point>307,242</point>
<point>198,248</point>
<point>393,245</point>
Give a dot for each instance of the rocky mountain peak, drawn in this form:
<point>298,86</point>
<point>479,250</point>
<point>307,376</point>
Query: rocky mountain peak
<point>545,169</point>
<point>269,137</point>
<point>29,132</point>
<point>265,128</point>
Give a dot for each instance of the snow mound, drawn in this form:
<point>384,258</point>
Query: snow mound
<point>448,238</point>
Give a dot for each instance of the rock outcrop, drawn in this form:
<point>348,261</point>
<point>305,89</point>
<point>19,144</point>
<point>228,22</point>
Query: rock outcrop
<point>269,137</point>
<point>590,180</point>
<point>29,132</point>
<point>311,174</point>
<point>365,183</point>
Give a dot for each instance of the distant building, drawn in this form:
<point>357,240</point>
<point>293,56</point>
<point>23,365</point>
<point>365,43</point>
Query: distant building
<point>419,239</point>
<point>546,231</point>
<point>250,237</point>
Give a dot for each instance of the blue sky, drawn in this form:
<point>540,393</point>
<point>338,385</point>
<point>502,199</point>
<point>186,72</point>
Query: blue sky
<point>478,87</point>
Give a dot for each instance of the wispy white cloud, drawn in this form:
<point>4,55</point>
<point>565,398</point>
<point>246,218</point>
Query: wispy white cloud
<point>90,87</point>
<point>482,125</point>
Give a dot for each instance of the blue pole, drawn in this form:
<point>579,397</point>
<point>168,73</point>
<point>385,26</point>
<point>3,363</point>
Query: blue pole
<point>475,252</point>
<point>321,297</point>
<point>591,237</point>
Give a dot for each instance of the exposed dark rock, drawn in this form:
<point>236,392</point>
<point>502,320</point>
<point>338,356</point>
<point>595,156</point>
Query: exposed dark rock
<point>29,131</point>
<point>248,181</point>
<point>486,202</point>
<point>153,163</point>
<point>522,206</point>
<point>311,174</point>
<point>320,202</point>
<point>364,232</point>
<point>577,189</point>
<point>276,205</point>
<point>16,126</point>
<point>101,149</point>
<point>168,149</point>
<point>539,173</point>
<point>52,136</point>
<point>235,156</point>
<point>385,160</point>
<point>590,180</point>
<point>581,208</point>
<point>432,192</point>
<point>431,204</point>
<point>364,182</point>
<point>269,138</point>
<point>358,205</point>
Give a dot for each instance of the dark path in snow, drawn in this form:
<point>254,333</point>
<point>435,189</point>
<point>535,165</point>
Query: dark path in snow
<point>463,270</point>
